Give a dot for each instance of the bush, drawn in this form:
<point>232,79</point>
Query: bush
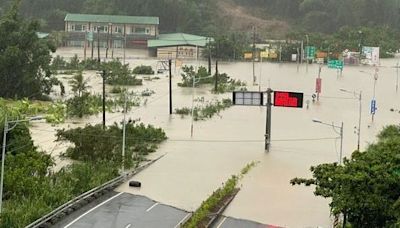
<point>92,143</point>
<point>143,70</point>
<point>118,74</point>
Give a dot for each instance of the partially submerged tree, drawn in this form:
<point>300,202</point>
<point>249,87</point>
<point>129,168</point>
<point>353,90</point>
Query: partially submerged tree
<point>366,189</point>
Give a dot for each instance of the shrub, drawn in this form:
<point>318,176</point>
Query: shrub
<point>143,70</point>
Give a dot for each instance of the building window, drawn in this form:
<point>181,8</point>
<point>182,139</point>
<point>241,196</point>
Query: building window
<point>140,30</point>
<point>147,31</point>
<point>101,28</point>
<point>78,27</point>
<point>118,29</point>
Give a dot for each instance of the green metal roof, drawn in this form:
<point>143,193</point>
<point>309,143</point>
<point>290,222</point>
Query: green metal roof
<point>178,39</point>
<point>117,19</point>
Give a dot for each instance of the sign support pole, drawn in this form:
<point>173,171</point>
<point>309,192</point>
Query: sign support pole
<point>268,120</point>
<point>170,86</point>
<point>319,81</point>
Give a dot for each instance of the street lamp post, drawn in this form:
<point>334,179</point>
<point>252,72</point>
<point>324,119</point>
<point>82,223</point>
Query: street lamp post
<point>373,102</point>
<point>359,96</point>
<point>373,109</point>
<point>340,134</point>
<point>3,153</point>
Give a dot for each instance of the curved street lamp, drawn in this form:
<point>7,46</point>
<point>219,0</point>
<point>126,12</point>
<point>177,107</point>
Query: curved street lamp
<point>340,134</point>
<point>359,96</point>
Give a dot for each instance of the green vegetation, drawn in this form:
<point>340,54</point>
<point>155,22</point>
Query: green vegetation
<point>225,83</point>
<point>188,75</point>
<point>24,58</point>
<point>53,112</point>
<point>200,216</point>
<point>31,190</point>
<point>351,37</point>
<point>212,204</point>
<point>119,74</point>
<point>143,70</point>
<point>207,110</point>
<point>92,143</point>
<point>83,103</point>
<point>366,189</point>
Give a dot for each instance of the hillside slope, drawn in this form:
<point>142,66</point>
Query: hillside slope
<point>242,18</point>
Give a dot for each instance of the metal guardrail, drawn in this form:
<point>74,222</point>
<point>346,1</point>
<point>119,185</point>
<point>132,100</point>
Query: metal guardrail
<point>76,203</point>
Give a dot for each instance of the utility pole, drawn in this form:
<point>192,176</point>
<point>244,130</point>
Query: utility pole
<point>268,120</point>
<point>85,46</point>
<point>170,86</point>
<point>124,135</point>
<point>92,49</point>
<point>2,160</point>
<point>302,52</point>
<point>209,57</point>
<point>308,49</point>
<point>359,121</point>
<point>319,82</point>
<point>124,47</point>
<point>104,99</point>
<point>341,144</point>
<point>112,42</point>
<point>216,77</point>
<point>98,44</point>
<point>397,80</point>
<point>254,54</point>
<point>298,59</point>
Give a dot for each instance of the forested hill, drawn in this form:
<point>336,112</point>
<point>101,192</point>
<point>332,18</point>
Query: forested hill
<point>215,16</point>
<point>328,15</point>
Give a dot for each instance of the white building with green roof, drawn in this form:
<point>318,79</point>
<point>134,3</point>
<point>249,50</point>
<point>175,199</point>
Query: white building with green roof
<point>178,45</point>
<point>112,30</point>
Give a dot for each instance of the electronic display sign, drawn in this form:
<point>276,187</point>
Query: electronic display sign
<point>248,98</point>
<point>288,99</point>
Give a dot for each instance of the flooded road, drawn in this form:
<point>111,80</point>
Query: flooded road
<point>194,167</point>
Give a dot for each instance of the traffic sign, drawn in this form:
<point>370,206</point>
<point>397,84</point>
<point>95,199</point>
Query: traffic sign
<point>310,52</point>
<point>318,85</point>
<point>288,99</point>
<point>373,106</point>
<point>248,98</point>
<point>336,64</point>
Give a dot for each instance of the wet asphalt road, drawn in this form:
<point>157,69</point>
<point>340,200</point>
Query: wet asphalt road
<point>124,210</point>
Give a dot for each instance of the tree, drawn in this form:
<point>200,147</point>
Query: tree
<point>24,58</point>
<point>366,189</point>
<point>78,85</point>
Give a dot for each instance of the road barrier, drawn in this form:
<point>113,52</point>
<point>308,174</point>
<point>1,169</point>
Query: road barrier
<point>87,197</point>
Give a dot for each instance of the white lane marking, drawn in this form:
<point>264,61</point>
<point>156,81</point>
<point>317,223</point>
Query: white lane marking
<point>152,207</point>
<point>220,224</point>
<point>87,212</point>
<point>179,223</point>
<point>129,225</point>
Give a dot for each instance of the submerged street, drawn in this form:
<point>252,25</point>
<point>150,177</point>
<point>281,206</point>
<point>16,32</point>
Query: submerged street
<point>193,167</point>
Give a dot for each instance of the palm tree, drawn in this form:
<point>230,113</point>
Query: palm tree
<point>78,84</point>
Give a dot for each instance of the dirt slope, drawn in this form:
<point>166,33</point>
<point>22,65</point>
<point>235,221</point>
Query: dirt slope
<point>243,19</point>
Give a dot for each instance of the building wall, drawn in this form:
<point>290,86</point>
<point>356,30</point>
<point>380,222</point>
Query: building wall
<point>136,35</point>
<point>180,52</point>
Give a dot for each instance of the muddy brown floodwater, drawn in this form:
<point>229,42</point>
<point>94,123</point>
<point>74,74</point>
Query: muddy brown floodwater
<point>193,167</point>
